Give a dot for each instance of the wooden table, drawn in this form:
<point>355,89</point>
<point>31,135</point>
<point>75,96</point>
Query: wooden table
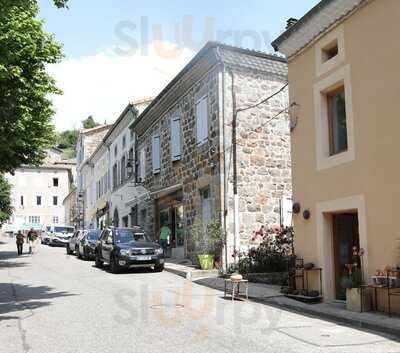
<point>233,288</point>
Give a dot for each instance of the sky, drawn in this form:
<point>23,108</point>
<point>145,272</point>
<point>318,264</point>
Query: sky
<point>118,51</point>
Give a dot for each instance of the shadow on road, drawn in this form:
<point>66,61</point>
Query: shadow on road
<point>21,298</point>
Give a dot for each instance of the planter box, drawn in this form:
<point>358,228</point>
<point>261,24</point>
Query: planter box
<point>353,299</point>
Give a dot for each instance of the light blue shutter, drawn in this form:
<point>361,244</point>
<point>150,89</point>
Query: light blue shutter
<point>156,154</point>
<point>201,121</point>
<point>142,164</point>
<point>176,138</point>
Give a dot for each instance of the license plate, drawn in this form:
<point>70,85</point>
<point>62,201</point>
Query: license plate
<point>143,258</point>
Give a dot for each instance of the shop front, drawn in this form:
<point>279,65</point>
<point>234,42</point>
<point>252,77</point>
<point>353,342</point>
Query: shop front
<point>169,212</point>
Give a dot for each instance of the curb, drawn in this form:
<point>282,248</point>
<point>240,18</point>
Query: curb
<point>335,318</point>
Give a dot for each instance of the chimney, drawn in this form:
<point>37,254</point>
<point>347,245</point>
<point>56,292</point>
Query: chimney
<point>290,22</point>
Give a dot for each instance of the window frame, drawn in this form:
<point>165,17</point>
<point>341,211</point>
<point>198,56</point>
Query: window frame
<point>341,77</point>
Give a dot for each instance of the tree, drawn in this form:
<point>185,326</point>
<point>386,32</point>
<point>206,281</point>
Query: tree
<point>6,209</point>
<point>26,129</point>
<point>89,123</point>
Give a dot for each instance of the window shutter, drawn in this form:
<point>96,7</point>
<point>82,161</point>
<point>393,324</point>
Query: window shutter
<point>176,138</point>
<point>156,154</point>
<point>201,121</point>
<point>142,164</point>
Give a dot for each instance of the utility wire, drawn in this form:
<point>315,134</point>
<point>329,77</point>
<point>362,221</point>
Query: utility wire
<point>264,100</point>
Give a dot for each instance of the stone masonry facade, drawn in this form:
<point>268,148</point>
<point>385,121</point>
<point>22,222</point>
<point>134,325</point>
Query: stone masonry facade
<point>263,150</point>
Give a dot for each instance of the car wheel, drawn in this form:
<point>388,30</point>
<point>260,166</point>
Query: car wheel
<point>159,268</point>
<point>98,263</point>
<point>114,266</point>
<point>83,254</point>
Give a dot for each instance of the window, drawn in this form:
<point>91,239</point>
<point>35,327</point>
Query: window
<point>34,219</point>
<point>201,121</point>
<point>55,200</point>
<point>156,154</point>
<point>336,103</point>
<point>205,206</point>
<point>55,182</point>
<point>115,176</point>
<point>55,219</point>
<point>125,221</point>
<point>330,51</point>
<point>123,170</point>
<point>334,123</point>
<point>123,142</point>
<point>38,200</point>
<point>130,159</point>
<point>22,201</point>
<point>115,151</point>
<point>176,138</point>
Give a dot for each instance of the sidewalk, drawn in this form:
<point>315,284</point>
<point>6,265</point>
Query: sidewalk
<point>337,312</point>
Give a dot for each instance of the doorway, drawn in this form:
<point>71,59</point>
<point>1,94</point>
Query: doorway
<point>345,237</point>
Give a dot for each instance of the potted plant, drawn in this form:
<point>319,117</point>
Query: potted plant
<point>208,240</point>
<point>353,283</point>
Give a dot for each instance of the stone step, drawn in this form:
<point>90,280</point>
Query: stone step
<point>189,272</point>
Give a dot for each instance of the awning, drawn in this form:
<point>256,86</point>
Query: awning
<point>166,191</point>
<point>140,194</point>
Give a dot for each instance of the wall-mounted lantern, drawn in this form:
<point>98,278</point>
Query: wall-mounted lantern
<point>306,214</point>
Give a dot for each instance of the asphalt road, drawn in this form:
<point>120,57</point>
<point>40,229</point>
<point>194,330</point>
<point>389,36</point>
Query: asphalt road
<point>51,302</point>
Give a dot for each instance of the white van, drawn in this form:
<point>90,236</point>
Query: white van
<point>59,235</point>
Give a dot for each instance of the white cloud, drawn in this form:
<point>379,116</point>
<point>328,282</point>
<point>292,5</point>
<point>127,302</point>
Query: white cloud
<point>102,85</point>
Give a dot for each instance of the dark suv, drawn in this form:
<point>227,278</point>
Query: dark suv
<point>125,248</point>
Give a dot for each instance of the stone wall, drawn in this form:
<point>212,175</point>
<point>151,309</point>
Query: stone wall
<point>263,152</point>
<point>198,166</point>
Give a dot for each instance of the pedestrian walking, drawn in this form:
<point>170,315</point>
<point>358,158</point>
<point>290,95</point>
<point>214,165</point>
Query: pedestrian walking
<point>165,233</point>
<point>31,240</point>
<point>20,242</point>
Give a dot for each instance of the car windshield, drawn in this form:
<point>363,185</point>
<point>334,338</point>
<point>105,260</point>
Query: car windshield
<point>128,236</point>
<point>93,235</point>
<point>64,230</point>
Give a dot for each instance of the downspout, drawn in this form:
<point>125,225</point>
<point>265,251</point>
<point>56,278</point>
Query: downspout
<point>234,166</point>
<point>225,195</point>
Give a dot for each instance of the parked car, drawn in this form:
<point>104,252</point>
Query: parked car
<point>72,245</point>
<point>45,237</point>
<point>125,248</point>
<point>87,244</point>
<point>59,235</point>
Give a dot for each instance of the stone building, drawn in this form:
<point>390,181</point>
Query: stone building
<point>190,158</point>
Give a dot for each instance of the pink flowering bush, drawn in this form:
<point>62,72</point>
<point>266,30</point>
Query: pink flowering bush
<point>268,251</point>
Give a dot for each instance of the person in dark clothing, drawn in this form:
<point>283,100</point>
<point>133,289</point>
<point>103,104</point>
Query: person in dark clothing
<point>20,242</point>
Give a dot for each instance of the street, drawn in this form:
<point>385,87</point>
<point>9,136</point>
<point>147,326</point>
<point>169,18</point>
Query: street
<point>52,302</point>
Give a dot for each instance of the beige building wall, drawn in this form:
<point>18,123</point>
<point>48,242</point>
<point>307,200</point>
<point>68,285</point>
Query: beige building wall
<point>27,184</point>
<point>367,179</point>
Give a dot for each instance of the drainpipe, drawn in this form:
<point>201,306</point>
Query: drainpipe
<point>225,195</point>
<point>234,166</point>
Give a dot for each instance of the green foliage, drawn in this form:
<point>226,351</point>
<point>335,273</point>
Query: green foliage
<point>26,130</point>
<point>89,123</point>
<point>6,209</point>
<point>66,141</point>
<point>208,239</point>
<point>272,253</point>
